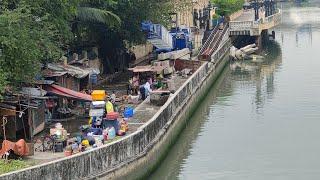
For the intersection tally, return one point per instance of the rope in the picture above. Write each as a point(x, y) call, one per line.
point(4, 122)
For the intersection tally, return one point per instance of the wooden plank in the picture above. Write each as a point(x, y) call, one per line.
point(7, 112)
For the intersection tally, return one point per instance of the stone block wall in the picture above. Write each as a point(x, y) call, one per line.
point(141, 50)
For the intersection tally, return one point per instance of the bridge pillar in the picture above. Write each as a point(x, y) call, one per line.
point(260, 40)
point(273, 35)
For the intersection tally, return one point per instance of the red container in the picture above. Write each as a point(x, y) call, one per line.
point(112, 116)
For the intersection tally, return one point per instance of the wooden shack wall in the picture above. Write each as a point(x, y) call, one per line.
point(187, 64)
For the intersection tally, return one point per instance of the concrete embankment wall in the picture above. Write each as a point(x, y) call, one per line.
point(189, 97)
point(137, 154)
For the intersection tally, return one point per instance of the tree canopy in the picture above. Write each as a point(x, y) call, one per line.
point(38, 31)
point(227, 7)
point(29, 35)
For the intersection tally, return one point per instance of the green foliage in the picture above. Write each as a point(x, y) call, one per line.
point(32, 32)
point(24, 42)
point(133, 13)
point(227, 7)
point(215, 16)
point(12, 165)
point(95, 15)
point(58, 14)
point(37, 31)
point(3, 81)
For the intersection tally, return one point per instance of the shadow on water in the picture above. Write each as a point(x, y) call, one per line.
point(259, 72)
point(244, 71)
point(170, 167)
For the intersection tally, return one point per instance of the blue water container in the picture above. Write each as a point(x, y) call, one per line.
point(94, 78)
point(128, 112)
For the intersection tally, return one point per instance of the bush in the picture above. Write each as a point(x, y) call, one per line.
point(215, 16)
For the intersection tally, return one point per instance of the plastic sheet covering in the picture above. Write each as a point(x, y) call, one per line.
point(19, 148)
point(65, 92)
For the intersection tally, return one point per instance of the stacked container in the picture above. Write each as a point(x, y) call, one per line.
point(97, 109)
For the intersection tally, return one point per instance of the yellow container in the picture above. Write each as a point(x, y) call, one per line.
point(98, 95)
point(85, 143)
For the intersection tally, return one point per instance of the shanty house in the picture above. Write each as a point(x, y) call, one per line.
point(68, 76)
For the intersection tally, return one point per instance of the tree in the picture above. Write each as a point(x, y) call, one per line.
point(95, 15)
point(114, 40)
point(23, 43)
point(31, 32)
point(133, 13)
point(227, 7)
point(40, 31)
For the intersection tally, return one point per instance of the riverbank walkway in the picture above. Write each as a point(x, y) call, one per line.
point(145, 111)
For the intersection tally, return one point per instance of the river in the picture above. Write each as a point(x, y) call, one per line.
point(261, 120)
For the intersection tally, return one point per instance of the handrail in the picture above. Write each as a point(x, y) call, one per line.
point(217, 42)
point(204, 46)
point(212, 40)
point(214, 43)
point(225, 29)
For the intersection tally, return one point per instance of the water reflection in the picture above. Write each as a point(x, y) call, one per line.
point(259, 73)
point(242, 73)
point(262, 118)
point(181, 149)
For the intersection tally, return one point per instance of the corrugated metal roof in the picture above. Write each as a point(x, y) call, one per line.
point(33, 91)
point(146, 69)
point(60, 70)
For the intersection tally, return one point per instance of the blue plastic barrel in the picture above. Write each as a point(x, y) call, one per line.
point(94, 78)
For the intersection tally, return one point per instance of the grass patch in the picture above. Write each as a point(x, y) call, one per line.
point(12, 165)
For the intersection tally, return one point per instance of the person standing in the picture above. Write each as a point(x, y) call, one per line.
point(147, 87)
point(109, 106)
point(135, 84)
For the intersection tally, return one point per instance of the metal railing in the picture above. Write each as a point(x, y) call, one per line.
point(207, 42)
point(214, 43)
point(260, 24)
point(218, 40)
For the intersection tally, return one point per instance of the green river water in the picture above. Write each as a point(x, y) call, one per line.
point(261, 120)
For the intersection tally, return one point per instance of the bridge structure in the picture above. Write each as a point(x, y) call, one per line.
point(254, 20)
point(259, 15)
point(247, 24)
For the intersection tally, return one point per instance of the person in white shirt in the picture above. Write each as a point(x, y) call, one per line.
point(145, 89)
